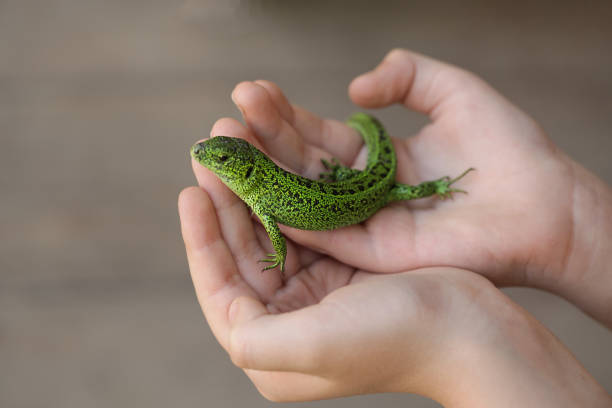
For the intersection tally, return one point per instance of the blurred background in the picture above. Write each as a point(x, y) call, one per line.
point(99, 103)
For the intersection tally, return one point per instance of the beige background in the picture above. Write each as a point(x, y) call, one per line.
point(99, 102)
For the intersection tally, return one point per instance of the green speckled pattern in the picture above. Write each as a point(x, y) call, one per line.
point(278, 196)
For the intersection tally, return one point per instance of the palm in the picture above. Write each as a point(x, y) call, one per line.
point(310, 277)
point(505, 219)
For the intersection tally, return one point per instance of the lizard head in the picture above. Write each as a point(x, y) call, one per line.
point(232, 159)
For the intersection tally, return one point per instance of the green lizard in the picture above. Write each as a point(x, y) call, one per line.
point(345, 196)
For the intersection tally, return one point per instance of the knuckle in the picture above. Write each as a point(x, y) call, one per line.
point(459, 75)
point(464, 79)
point(397, 53)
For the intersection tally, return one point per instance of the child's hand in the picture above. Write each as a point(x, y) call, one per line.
point(440, 332)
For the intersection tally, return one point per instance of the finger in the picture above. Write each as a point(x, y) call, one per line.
point(282, 140)
point(215, 275)
point(277, 136)
point(235, 219)
point(351, 245)
point(279, 99)
point(333, 136)
point(420, 83)
point(360, 245)
point(294, 341)
point(330, 135)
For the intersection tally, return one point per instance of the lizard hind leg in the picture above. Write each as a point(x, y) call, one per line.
point(336, 171)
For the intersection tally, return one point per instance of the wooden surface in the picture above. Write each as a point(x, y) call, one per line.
point(99, 102)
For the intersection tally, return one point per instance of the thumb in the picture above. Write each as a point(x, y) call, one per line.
point(293, 341)
point(244, 309)
point(420, 83)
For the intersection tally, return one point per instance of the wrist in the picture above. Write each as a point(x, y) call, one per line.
point(586, 278)
point(514, 361)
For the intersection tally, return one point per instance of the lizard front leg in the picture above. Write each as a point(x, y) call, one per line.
point(278, 242)
point(336, 171)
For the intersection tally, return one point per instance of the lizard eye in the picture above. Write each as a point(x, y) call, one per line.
point(223, 158)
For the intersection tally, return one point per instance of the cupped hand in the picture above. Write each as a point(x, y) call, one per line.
point(514, 226)
point(327, 329)
point(332, 330)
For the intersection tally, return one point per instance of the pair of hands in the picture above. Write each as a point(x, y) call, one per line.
point(368, 308)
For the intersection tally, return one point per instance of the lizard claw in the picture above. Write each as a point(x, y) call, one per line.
point(275, 261)
point(443, 185)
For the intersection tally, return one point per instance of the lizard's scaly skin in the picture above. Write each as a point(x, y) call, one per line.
point(349, 197)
